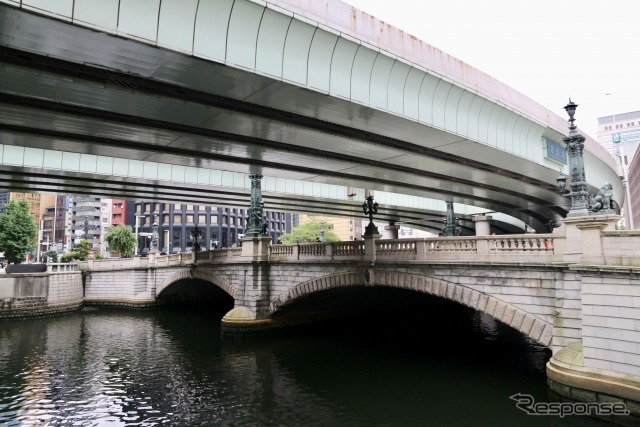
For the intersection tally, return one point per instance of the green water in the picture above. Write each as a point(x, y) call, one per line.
point(439, 366)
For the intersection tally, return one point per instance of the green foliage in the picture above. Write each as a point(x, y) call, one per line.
point(51, 254)
point(309, 232)
point(121, 239)
point(99, 256)
point(68, 257)
point(17, 231)
point(82, 249)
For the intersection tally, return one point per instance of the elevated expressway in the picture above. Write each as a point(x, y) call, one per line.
point(182, 99)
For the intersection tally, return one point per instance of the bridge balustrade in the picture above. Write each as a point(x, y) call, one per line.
point(512, 248)
point(62, 267)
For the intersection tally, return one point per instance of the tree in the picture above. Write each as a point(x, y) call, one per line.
point(52, 255)
point(80, 252)
point(17, 231)
point(309, 232)
point(121, 239)
point(82, 249)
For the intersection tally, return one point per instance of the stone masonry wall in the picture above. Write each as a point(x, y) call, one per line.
point(611, 318)
point(118, 285)
point(568, 315)
point(65, 288)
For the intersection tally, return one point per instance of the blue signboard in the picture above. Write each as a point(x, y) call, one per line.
point(556, 152)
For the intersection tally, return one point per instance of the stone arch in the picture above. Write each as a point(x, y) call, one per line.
point(204, 275)
point(532, 326)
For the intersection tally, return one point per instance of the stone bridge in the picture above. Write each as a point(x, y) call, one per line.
point(576, 291)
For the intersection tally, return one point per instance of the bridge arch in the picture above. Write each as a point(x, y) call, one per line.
point(532, 326)
point(204, 275)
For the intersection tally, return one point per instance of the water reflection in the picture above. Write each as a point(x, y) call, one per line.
point(452, 367)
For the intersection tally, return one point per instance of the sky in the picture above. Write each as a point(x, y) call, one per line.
point(549, 50)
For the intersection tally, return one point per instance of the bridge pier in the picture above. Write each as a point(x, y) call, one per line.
point(251, 313)
point(596, 345)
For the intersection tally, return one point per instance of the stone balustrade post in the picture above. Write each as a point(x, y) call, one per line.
point(328, 250)
point(421, 250)
point(482, 246)
point(370, 247)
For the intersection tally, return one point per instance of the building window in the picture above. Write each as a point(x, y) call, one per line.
point(214, 219)
point(177, 219)
point(177, 207)
point(138, 208)
point(202, 219)
point(176, 239)
point(233, 221)
point(147, 208)
point(189, 207)
point(189, 219)
point(165, 219)
point(117, 205)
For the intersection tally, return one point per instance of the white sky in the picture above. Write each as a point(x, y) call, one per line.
point(546, 49)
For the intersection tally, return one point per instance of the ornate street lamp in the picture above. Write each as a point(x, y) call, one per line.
point(451, 227)
point(154, 235)
point(196, 233)
point(370, 208)
point(255, 223)
point(578, 184)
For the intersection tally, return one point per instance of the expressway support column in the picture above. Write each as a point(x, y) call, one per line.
point(392, 230)
point(483, 225)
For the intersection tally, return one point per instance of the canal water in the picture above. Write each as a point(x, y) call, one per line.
point(435, 364)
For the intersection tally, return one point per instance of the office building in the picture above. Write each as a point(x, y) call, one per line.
point(220, 227)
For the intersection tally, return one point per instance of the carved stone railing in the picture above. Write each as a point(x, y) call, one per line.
point(348, 249)
point(281, 251)
point(516, 248)
point(313, 249)
point(451, 244)
point(528, 243)
point(62, 267)
point(398, 247)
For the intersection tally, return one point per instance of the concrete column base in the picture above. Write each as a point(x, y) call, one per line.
point(241, 322)
point(568, 378)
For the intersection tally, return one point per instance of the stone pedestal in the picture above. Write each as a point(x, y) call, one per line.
point(256, 248)
point(583, 241)
point(370, 246)
point(483, 225)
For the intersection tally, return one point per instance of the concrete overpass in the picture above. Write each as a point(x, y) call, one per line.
point(154, 98)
